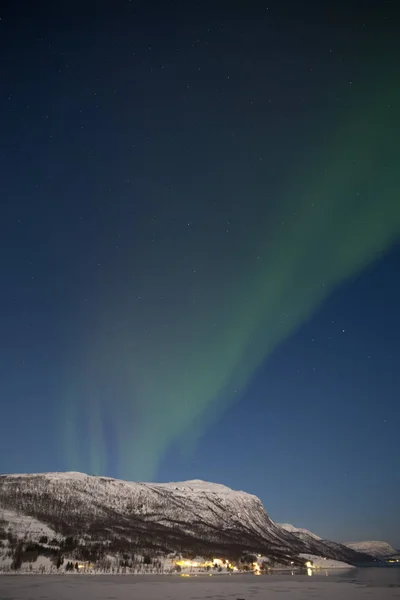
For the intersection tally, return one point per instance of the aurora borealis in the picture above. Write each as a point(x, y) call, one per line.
point(181, 352)
point(191, 197)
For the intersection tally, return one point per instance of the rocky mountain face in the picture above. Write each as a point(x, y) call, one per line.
point(93, 515)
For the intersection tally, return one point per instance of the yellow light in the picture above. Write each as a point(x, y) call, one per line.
point(309, 572)
point(308, 564)
point(187, 563)
point(217, 561)
point(256, 568)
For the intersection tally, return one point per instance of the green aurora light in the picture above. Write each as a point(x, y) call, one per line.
point(166, 367)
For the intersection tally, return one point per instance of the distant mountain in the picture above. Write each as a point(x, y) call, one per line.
point(377, 549)
point(78, 514)
point(312, 540)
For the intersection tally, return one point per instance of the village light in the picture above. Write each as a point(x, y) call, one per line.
point(256, 568)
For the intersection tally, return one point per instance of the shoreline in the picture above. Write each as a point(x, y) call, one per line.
point(184, 575)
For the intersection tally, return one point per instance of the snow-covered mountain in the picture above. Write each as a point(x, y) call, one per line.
point(309, 539)
point(301, 533)
point(377, 549)
point(192, 516)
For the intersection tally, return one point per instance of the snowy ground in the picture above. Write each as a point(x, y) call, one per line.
point(325, 563)
point(177, 588)
point(22, 525)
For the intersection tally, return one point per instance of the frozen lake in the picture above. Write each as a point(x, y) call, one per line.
point(355, 584)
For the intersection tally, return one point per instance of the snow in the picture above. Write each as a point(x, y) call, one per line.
point(198, 485)
point(325, 563)
point(56, 475)
point(293, 529)
point(173, 501)
point(22, 525)
point(374, 548)
point(205, 511)
point(81, 587)
point(195, 485)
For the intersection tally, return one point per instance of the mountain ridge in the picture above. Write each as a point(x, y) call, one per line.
point(299, 531)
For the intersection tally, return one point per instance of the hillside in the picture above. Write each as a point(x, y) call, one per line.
point(377, 549)
point(301, 533)
point(89, 517)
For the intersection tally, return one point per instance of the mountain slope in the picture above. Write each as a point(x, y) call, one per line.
point(191, 516)
point(376, 549)
point(301, 533)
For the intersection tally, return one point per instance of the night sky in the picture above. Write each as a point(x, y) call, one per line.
point(199, 250)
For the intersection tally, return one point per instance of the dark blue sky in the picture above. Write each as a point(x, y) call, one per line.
point(316, 434)
point(150, 156)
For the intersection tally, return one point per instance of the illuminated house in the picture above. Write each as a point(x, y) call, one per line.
point(200, 563)
point(84, 566)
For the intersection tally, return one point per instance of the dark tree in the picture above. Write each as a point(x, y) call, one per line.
point(17, 558)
